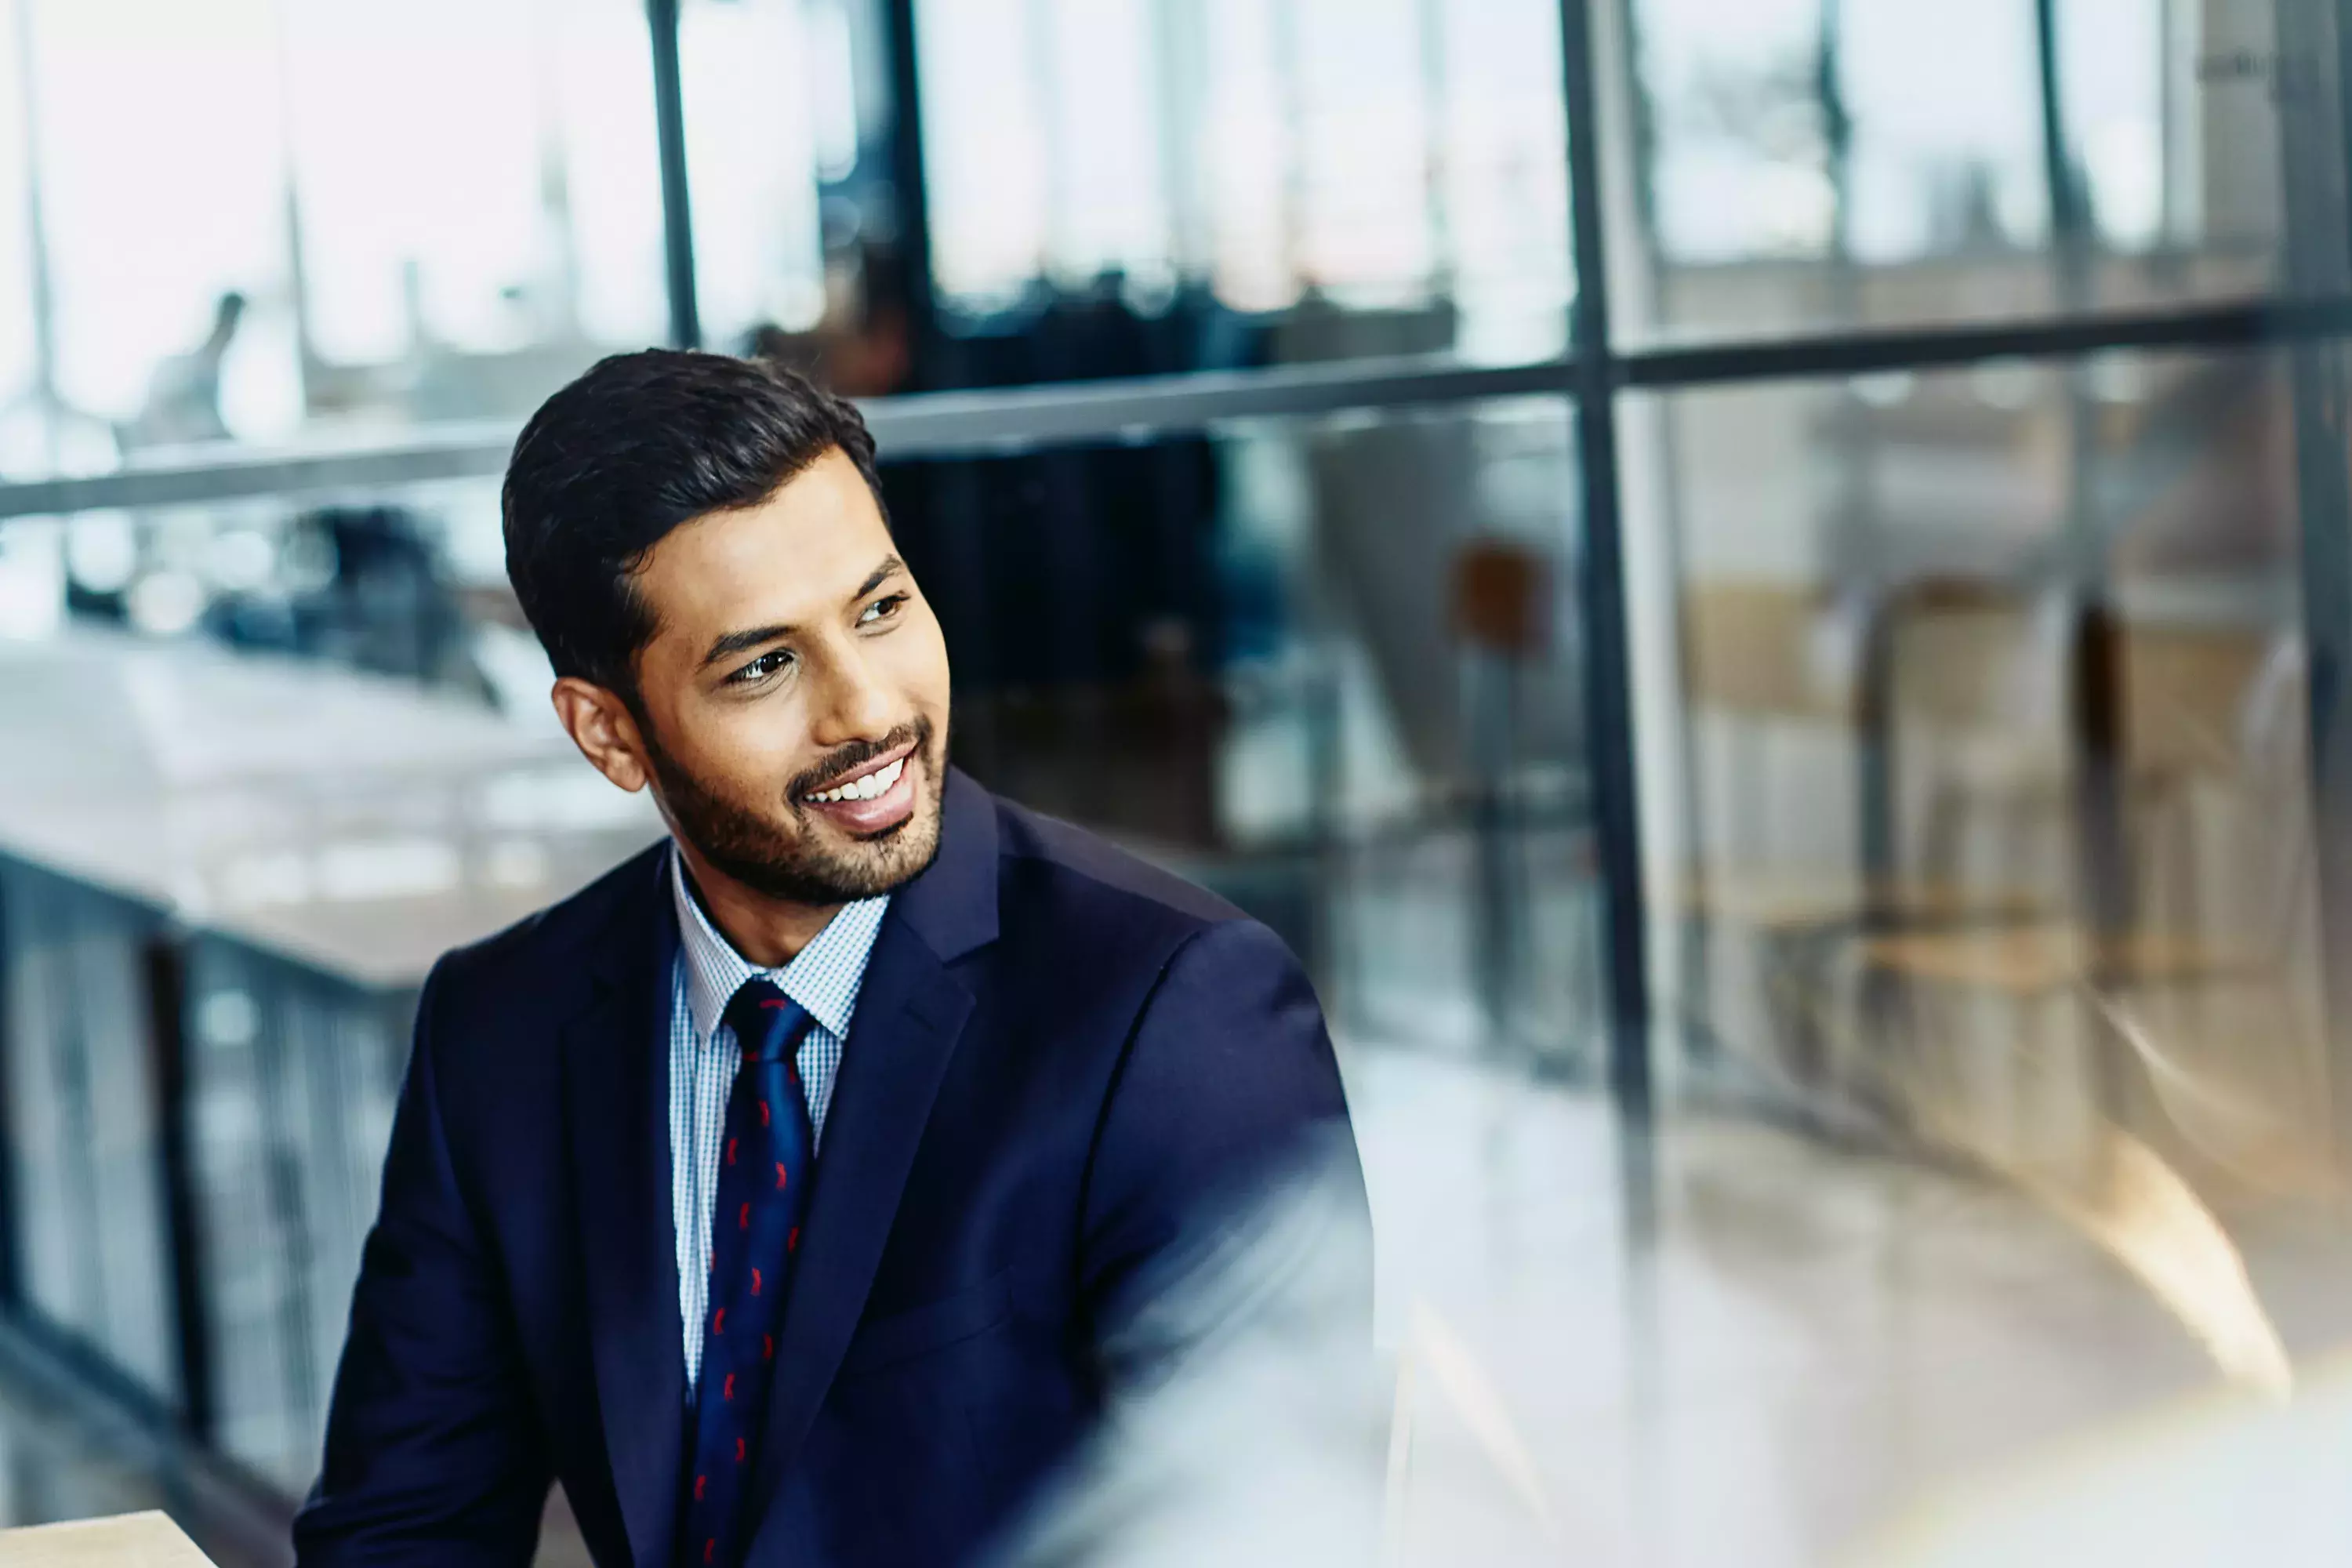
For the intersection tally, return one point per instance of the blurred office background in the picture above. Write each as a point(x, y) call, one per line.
point(1762, 588)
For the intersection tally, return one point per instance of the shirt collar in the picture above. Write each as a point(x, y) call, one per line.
point(825, 977)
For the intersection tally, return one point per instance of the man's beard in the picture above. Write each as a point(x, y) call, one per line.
point(808, 870)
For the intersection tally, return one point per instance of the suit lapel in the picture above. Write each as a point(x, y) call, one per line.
point(911, 1011)
point(617, 1101)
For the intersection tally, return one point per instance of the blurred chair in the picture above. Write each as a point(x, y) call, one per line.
point(1448, 588)
point(2190, 938)
point(1863, 841)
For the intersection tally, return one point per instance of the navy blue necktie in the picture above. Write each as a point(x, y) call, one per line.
point(755, 1227)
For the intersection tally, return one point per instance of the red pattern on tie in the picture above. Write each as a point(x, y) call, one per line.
point(768, 1111)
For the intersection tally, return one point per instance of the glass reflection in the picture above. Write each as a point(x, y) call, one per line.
point(1856, 162)
point(1326, 667)
point(1998, 836)
point(320, 272)
point(1249, 180)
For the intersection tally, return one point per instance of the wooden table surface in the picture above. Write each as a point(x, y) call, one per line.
point(134, 1540)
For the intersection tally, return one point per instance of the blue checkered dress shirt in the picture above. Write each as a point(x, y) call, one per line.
point(824, 978)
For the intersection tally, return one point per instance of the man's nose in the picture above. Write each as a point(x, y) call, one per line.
point(857, 704)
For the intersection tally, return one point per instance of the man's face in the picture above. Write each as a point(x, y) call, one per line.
point(794, 693)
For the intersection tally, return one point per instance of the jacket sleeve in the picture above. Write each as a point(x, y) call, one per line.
point(1224, 1200)
point(433, 1455)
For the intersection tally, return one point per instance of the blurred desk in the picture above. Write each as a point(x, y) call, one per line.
point(345, 821)
point(134, 1541)
point(223, 878)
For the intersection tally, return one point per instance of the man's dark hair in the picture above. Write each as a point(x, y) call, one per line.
point(639, 444)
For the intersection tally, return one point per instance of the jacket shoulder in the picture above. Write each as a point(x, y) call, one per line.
point(556, 940)
point(1084, 875)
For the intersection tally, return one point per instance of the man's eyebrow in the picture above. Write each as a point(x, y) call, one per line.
point(744, 641)
point(733, 642)
point(890, 566)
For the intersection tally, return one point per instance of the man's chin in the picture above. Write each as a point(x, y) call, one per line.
point(811, 859)
point(897, 855)
point(869, 865)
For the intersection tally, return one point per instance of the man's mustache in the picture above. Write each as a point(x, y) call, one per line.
point(848, 759)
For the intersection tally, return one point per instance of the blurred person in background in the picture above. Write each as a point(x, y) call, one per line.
point(808, 1189)
point(864, 345)
point(184, 400)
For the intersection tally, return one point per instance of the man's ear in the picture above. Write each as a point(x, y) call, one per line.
point(601, 726)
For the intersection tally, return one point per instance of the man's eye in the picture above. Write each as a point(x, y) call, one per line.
point(882, 609)
point(760, 669)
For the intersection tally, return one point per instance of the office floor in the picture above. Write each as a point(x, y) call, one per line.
point(1742, 1344)
point(1797, 1347)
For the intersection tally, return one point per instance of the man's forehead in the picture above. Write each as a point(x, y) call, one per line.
point(816, 539)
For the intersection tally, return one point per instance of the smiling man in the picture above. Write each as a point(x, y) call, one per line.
point(806, 1189)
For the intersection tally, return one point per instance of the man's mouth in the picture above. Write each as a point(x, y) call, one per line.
point(875, 781)
point(875, 799)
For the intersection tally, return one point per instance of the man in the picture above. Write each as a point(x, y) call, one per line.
point(794, 1193)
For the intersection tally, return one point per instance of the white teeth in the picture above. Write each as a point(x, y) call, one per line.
point(866, 788)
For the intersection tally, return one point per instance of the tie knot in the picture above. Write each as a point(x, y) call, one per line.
point(768, 1024)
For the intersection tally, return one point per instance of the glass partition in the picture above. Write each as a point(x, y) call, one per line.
point(408, 582)
point(1126, 186)
point(520, 220)
point(1994, 698)
point(337, 264)
point(227, 862)
point(20, 327)
point(90, 1248)
point(1827, 163)
point(293, 1074)
point(1327, 667)
point(1988, 854)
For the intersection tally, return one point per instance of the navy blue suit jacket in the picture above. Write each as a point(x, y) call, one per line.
point(1057, 1054)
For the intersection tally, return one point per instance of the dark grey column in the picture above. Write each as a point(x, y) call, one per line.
point(1608, 652)
point(2308, 64)
point(678, 216)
